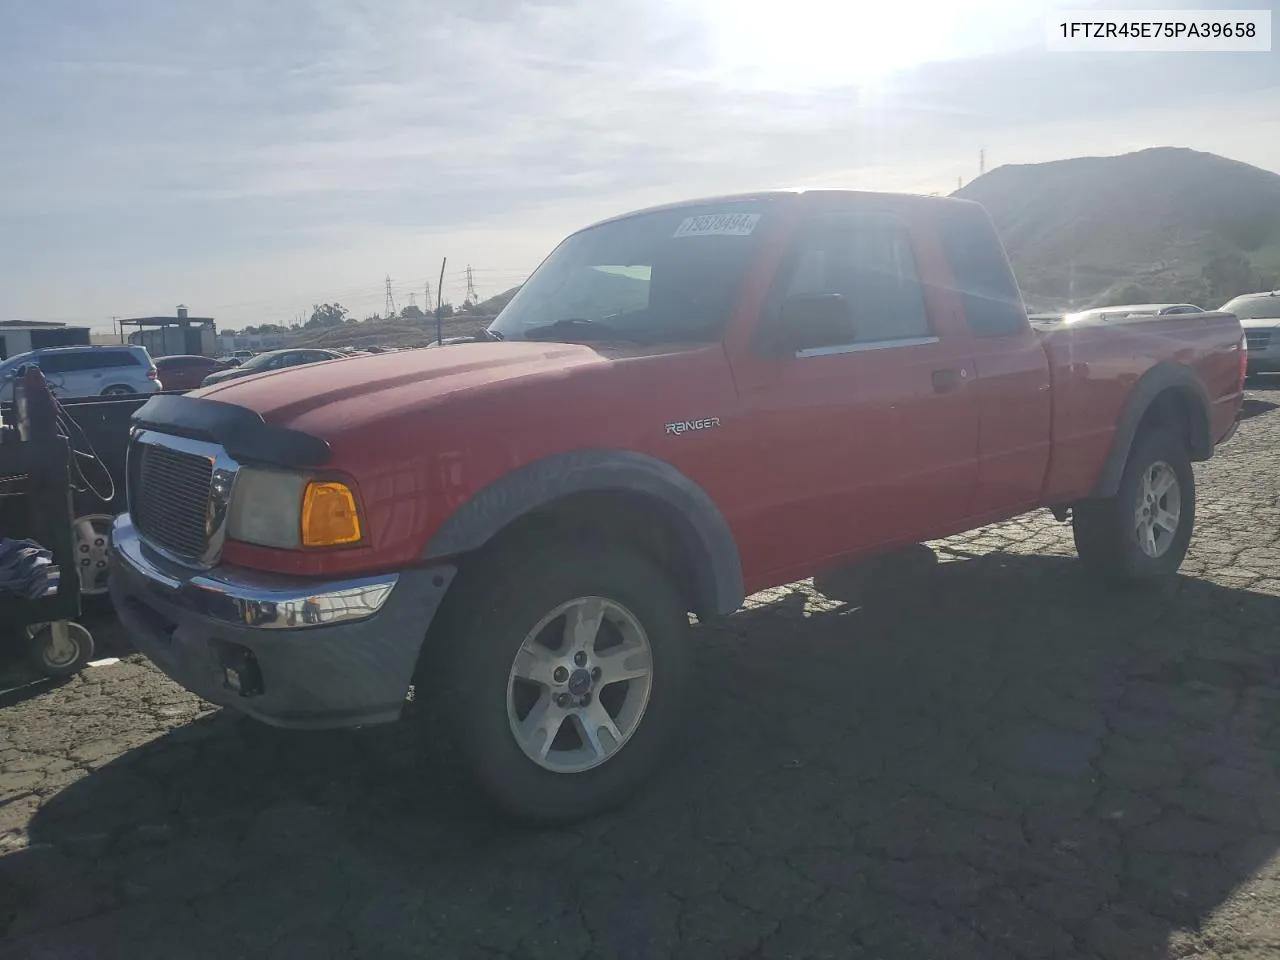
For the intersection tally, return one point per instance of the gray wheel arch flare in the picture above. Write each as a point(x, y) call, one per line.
point(704, 532)
point(1163, 378)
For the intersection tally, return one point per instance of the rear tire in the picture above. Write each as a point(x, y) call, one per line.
point(118, 390)
point(513, 622)
point(1140, 536)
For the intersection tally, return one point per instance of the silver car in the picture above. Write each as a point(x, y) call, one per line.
point(106, 371)
point(272, 360)
point(1259, 314)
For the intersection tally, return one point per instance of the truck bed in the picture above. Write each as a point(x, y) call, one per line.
point(1094, 365)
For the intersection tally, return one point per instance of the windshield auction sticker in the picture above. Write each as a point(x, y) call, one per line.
point(718, 225)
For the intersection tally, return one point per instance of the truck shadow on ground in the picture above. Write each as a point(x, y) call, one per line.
point(986, 758)
point(1252, 407)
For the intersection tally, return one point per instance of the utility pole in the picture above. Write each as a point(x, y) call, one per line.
point(439, 292)
point(390, 306)
point(471, 296)
point(116, 326)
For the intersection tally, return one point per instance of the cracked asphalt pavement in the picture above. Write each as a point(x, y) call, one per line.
point(979, 757)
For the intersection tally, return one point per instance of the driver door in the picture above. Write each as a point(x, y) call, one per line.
point(866, 443)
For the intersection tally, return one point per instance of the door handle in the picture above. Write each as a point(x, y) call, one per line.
point(944, 381)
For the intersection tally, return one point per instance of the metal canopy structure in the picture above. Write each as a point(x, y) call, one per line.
point(167, 336)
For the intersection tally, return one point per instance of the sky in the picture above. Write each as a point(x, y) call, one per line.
point(251, 159)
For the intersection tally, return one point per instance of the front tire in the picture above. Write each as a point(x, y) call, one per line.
point(1140, 536)
point(118, 390)
point(567, 676)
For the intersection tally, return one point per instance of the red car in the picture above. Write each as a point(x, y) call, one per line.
point(679, 408)
point(184, 372)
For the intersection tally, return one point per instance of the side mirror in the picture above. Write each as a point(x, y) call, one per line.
point(808, 321)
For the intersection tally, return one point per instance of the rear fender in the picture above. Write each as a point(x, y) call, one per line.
point(1163, 379)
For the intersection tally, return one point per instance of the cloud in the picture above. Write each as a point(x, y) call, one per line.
point(250, 153)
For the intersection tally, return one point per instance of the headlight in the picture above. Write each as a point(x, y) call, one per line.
point(276, 508)
point(266, 508)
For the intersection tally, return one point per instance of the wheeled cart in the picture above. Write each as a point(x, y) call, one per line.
point(34, 468)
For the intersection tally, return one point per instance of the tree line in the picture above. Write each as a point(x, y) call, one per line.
point(326, 316)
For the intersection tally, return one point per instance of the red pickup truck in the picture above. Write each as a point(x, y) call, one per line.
point(680, 407)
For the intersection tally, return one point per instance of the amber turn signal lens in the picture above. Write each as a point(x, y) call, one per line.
point(329, 515)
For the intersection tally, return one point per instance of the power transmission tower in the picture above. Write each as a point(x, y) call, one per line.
point(471, 296)
point(413, 299)
point(982, 162)
point(426, 295)
point(390, 307)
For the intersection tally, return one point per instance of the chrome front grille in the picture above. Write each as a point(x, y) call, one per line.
point(1257, 340)
point(170, 503)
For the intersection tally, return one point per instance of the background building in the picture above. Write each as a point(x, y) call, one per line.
point(19, 336)
point(170, 336)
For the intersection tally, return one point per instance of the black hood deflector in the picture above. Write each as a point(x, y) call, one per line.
point(241, 432)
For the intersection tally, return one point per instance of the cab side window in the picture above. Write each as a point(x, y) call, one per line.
point(114, 358)
point(869, 261)
point(54, 363)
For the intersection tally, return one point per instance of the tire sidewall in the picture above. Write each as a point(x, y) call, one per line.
point(38, 644)
point(1148, 450)
point(485, 650)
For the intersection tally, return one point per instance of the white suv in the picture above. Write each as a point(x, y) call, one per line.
point(107, 371)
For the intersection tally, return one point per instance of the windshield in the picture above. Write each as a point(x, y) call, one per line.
point(1255, 308)
point(672, 275)
point(259, 362)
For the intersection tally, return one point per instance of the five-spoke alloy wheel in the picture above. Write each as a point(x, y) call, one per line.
point(579, 685)
point(564, 676)
point(1159, 507)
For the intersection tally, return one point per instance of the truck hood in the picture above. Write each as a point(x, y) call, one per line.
point(335, 396)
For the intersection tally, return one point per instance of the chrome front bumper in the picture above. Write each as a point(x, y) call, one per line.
point(289, 651)
point(251, 599)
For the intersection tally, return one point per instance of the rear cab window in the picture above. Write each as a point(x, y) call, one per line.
point(988, 292)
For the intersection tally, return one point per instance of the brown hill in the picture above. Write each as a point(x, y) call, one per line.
point(1165, 224)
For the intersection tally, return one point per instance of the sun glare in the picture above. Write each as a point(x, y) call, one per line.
point(814, 44)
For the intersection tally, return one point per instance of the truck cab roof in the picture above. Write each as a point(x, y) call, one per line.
point(791, 195)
